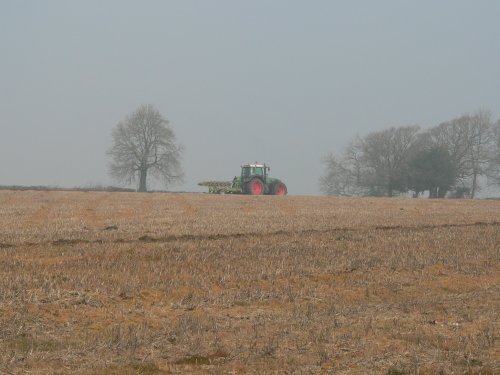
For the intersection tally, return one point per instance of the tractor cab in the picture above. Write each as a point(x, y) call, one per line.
point(249, 171)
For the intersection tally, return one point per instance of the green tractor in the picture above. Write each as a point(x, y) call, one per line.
point(254, 180)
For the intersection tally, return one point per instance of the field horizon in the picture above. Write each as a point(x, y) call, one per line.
point(166, 283)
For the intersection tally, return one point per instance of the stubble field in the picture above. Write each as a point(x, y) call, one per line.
point(129, 283)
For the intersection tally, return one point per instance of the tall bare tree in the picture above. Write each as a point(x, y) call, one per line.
point(494, 165)
point(480, 146)
point(468, 140)
point(143, 145)
point(373, 165)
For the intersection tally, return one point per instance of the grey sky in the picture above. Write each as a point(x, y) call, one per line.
point(281, 82)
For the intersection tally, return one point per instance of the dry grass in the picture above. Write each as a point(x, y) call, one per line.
point(129, 283)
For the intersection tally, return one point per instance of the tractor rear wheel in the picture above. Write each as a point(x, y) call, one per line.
point(279, 189)
point(255, 187)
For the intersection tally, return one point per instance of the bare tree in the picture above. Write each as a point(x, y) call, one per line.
point(468, 139)
point(373, 165)
point(493, 171)
point(480, 146)
point(341, 178)
point(144, 144)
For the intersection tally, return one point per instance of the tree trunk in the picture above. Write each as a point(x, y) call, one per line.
point(142, 179)
point(390, 192)
point(474, 185)
point(442, 192)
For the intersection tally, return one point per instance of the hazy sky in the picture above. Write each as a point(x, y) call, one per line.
point(279, 81)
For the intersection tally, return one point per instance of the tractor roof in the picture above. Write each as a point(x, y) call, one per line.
point(253, 165)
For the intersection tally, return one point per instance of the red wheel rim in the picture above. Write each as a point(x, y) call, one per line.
point(257, 188)
point(280, 189)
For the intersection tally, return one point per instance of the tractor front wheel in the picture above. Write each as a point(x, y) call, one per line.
point(255, 187)
point(279, 189)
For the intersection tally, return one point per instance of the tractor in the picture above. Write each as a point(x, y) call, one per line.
point(254, 180)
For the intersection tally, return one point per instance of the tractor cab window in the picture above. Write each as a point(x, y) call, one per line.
point(258, 171)
point(252, 171)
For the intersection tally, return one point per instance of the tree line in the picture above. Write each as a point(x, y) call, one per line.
point(451, 159)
